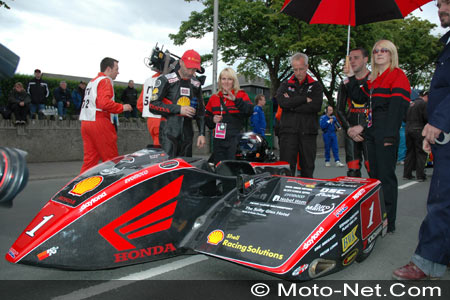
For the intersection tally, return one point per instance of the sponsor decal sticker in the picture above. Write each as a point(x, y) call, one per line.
point(66, 200)
point(170, 164)
point(350, 257)
point(341, 211)
point(184, 101)
point(92, 201)
point(13, 253)
point(136, 176)
point(86, 185)
point(185, 91)
point(300, 270)
point(155, 91)
point(43, 255)
point(215, 237)
point(313, 238)
point(232, 243)
point(349, 239)
point(319, 209)
point(142, 253)
point(374, 234)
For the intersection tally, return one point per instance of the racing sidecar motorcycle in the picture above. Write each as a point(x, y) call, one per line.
point(143, 207)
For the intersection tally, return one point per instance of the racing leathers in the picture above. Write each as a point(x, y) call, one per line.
point(350, 114)
point(170, 93)
point(299, 122)
point(98, 133)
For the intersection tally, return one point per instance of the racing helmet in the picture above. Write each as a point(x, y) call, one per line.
point(253, 147)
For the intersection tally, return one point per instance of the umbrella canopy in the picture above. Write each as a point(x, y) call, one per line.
point(349, 12)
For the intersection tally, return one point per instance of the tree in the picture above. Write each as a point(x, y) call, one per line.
point(3, 3)
point(262, 39)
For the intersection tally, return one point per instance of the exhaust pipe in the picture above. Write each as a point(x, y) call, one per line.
point(320, 266)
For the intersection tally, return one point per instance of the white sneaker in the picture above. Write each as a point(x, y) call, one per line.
point(60, 118)
point(339, 164)
point(327, 164)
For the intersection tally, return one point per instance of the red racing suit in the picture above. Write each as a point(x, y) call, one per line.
point(100, 136)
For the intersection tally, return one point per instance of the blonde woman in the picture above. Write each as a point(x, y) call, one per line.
point(225, 113)
point(387, 93)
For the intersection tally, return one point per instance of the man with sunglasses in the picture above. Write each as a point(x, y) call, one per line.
point(432, 254)
point(353, 116)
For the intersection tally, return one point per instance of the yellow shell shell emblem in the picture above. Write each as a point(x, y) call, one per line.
point(215, 237)
point(155, 91)
point(86, 185)
point(184, 101)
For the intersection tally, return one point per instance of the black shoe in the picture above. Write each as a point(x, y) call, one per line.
point(421, 179)
point(407, 177)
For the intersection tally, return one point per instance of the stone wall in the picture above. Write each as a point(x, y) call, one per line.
point(51, 141)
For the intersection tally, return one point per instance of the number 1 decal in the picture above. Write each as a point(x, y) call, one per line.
point(371, 215)
point(46, 219)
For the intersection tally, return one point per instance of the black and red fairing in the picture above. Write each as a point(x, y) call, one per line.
point(133, 209)
point(295, 228)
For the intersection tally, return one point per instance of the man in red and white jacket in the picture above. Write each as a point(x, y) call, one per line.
point(97, 115)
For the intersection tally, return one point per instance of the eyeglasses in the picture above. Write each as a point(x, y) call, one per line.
point(382, 50)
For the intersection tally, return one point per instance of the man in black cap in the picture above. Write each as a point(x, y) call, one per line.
point(38, 91)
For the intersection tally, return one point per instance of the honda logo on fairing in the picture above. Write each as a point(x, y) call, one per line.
point(319, 209)
point(152, 215)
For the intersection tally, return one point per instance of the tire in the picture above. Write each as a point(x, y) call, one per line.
point(366, 252)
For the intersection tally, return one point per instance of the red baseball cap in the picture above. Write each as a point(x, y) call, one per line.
point(191, 59)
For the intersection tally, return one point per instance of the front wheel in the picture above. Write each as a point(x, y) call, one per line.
point(366, 252)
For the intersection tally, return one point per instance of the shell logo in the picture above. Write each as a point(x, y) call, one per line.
point(184, 101)
point(215, 237)
point(155, 91)
point(86, 185)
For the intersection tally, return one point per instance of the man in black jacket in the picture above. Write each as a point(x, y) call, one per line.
point(300, 98)
point(38, 91)
point(416, 119)
point(177, 97)
point(130, 96)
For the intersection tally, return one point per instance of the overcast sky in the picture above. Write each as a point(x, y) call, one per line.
point(71, 37)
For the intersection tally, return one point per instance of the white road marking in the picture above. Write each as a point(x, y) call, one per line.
point(114, 284)
point(404, 186)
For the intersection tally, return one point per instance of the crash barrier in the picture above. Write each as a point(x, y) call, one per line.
point(13, 174)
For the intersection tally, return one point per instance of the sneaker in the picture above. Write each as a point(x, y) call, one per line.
point(339, 164)
point(327, 164)
point(60, 118)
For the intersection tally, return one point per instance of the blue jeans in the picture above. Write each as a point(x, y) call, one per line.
point(61, 108)
point(34, 108)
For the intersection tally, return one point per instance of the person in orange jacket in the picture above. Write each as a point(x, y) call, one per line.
point(97, 116)
point(153, 121)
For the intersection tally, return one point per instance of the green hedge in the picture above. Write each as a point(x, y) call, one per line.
point(6, 86)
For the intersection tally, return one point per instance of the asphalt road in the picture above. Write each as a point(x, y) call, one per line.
point(390, 252)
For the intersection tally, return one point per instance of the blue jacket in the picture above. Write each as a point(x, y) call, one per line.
point(328, 128)
point(438, 106)
point(258, 120)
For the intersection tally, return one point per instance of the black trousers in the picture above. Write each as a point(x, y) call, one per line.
point(225, 149)
point(355, 154)
point(20, 112)
point(177, 141)
point(383, 161)
point(302, 145)
point(415, 156)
